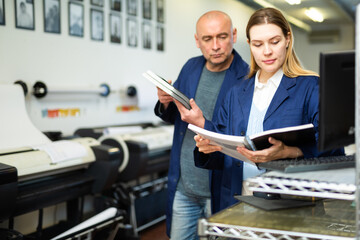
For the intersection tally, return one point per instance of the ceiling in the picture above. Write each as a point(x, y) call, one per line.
point(335, 12)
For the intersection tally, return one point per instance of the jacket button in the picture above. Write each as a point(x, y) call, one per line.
point(238, 164)
point(181, 133)
point(242, 133)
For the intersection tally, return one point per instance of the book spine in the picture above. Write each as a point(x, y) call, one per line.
point(249, 144)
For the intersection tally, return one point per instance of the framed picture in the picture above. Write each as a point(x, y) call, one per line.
point(160, 38)
point(132, 7)
point(160, 11)
point(146, 34)
point(132, 30)
point(97, 25)
point(99, 3)
point(2, 12)
point(115, 28)
point(146, 7)
point(76, 19)
point(24, 14)
point(115, 5)
point(52, 16)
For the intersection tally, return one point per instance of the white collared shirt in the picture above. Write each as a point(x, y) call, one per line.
point(264, 93)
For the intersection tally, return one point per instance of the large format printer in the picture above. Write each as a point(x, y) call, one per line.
point(36, 172)
point(146, 149)
point(30, 180)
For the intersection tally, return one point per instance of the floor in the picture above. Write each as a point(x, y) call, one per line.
point(156, 232)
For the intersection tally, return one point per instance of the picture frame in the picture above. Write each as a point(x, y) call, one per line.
point(115, 5)
point(160, 38)
point(76, 19)
point(132, 32)
point(2, 12)
point(99, 3)
point(97, 24)
point(52, 23)
point(160, 15)
point(146, 35)
point(115, 28)
point(146, 7)
point(132, 7)
point(24, 14)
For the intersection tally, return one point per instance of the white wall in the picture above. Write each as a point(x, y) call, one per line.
point(63, 60)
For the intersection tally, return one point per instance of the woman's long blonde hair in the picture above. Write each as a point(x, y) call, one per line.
point(292, 66)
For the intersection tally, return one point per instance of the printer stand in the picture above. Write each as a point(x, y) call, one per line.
point(145, 203)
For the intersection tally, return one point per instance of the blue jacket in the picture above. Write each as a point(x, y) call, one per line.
point(294, 103)
point(187, 83)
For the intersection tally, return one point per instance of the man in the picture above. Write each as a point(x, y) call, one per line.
point(206, 79)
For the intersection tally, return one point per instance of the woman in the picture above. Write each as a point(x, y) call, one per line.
point(278, 93)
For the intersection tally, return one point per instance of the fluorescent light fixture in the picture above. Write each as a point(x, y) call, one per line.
point(291, 19)
point(293, 2)
point(314, 15)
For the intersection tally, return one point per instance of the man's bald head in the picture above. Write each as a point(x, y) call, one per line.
point(212, 15)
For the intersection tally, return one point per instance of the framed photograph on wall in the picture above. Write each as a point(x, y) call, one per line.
point(97, 24)
point(99, 3)
point(76, 19)
point(115, 28)
point(2, 12)
point(115, 5)
point(160, 11)
point(146, 34)
point(24, 14)
point(52, 16)
point(132, 32)
point(160, 38)
point(132, 7)
point(146, 7)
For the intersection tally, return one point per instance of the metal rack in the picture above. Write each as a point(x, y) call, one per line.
point(318, 184)
point(329, 219)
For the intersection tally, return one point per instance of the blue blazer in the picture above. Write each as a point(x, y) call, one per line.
point(187, 83)
point(294, 103)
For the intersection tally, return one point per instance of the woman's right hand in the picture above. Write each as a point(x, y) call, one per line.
point(204, 145)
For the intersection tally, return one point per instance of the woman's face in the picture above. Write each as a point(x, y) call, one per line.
point(268, 46)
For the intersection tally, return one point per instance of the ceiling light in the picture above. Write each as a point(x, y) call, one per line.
point(293, 2)
point(314, 15)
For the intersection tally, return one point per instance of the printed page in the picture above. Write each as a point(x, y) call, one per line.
point(227, 142)
point(63, 150)
point(16, 128)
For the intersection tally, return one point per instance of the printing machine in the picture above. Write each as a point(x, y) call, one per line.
point(30, 180)
point(146, 153)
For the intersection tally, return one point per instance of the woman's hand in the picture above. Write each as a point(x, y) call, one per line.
point(204, 145)
point(278, 150)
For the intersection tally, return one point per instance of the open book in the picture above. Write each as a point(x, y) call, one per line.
point(168, 88)
point(291, 136)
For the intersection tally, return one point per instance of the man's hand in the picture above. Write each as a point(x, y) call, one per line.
point(164, 98)
point(193, 116)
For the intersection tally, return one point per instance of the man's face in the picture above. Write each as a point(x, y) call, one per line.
point(215, 38)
